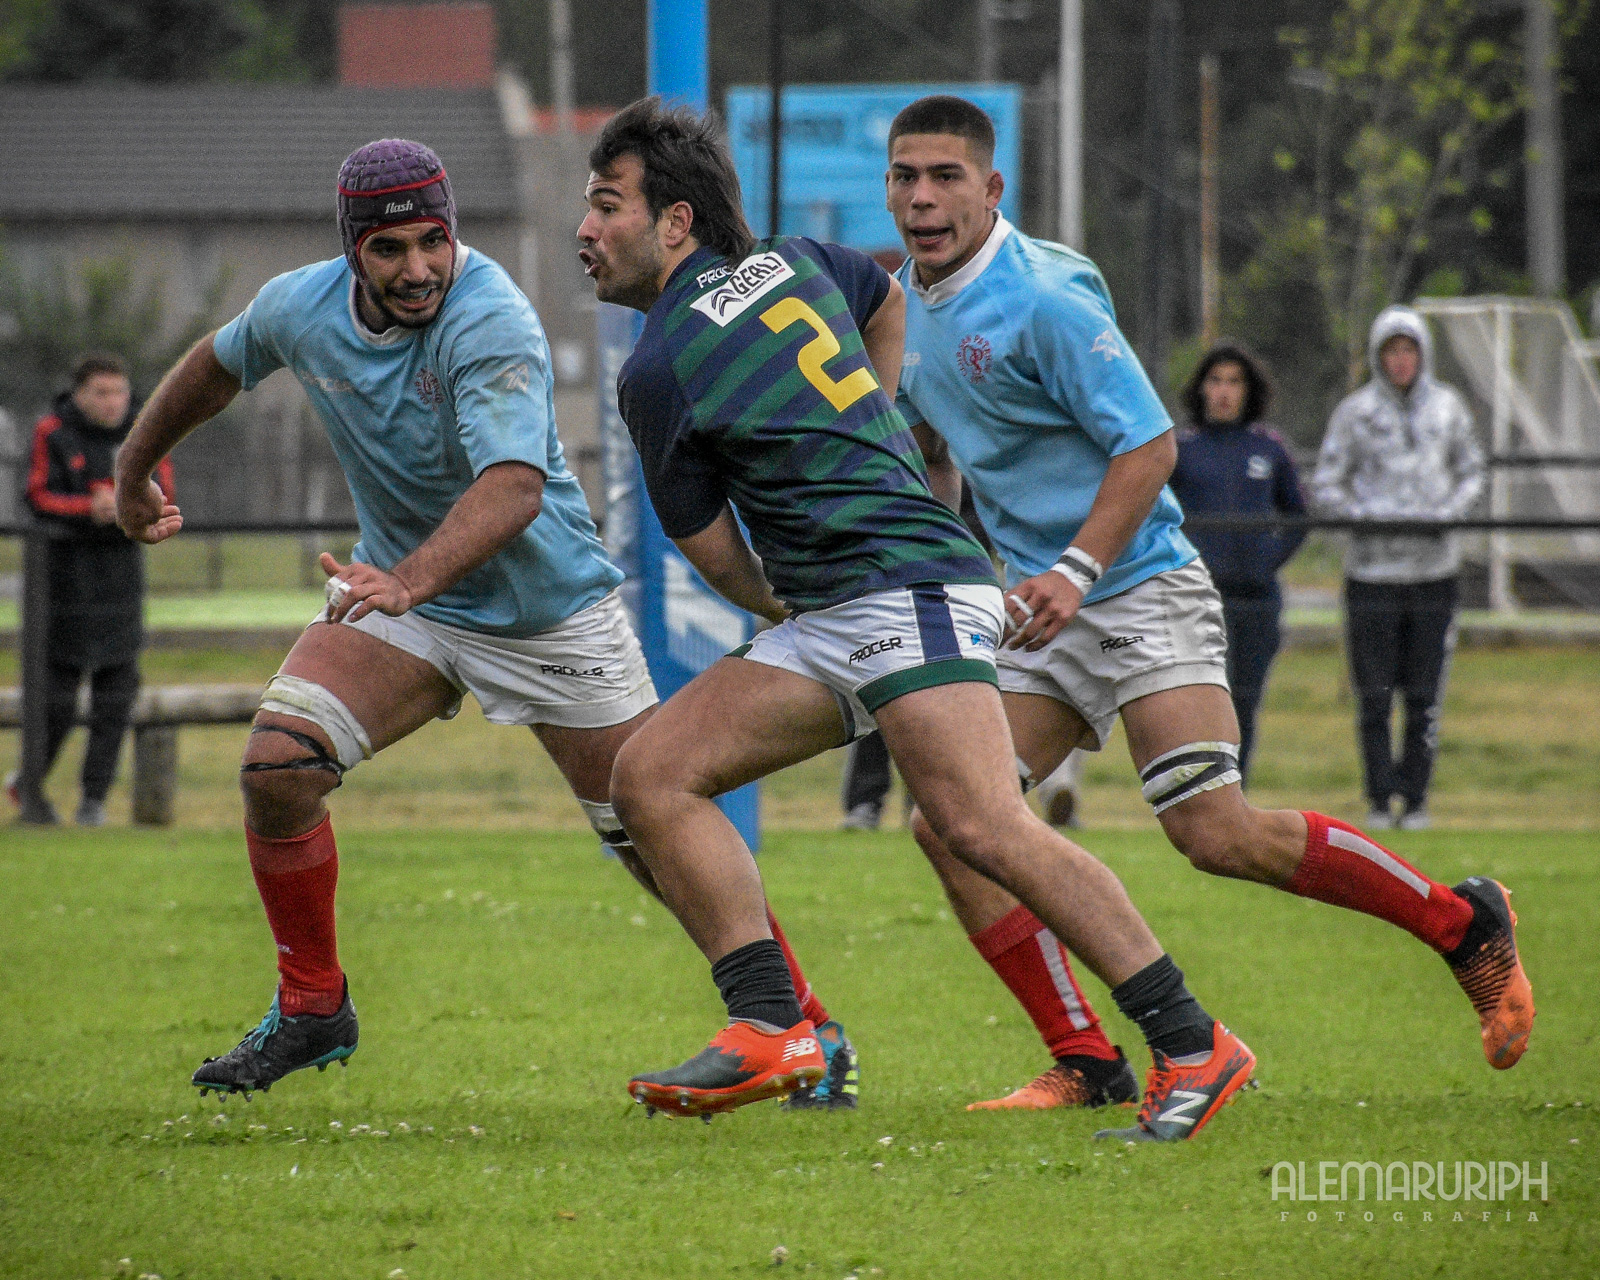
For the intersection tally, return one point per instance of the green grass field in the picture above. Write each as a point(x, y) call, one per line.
point(509, 982)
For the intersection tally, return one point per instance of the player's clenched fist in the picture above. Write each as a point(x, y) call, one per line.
point(355, 590)
point(1038, 608)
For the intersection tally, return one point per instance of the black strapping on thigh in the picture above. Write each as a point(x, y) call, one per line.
point(319, 759)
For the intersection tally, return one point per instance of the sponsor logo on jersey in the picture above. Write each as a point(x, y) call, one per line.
point(751, 279)
point(333, 386)
point(1258, 468)
point(799, 1048)
point(1107, 345)
point(980, 641)
point(1119, 642)
point(429, 389)
point(561, 669)
point(912, 358)
point(712, 276)
point(975, 357)
point(876, 647)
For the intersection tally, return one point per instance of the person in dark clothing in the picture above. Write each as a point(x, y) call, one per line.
point(1232, 463)
point(96, 580)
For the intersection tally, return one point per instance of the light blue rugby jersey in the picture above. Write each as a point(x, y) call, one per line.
point(1017, 361)
point(416, 415)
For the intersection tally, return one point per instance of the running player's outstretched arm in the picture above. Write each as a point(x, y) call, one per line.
point(502, 502)
point(194, 390)
point(943, 478)
point(884, 337)
point(726, 562)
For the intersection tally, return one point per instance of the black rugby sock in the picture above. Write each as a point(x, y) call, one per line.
point(1171, 1019)
point(755, 985)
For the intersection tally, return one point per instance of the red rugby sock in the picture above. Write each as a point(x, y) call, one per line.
point(296, 879)
point(1035, 967)
point(1344, 867)
point(809, 1004)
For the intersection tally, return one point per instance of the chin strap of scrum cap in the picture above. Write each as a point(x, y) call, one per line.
point(318, 759)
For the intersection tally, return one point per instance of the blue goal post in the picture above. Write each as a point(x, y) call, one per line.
point(683, 625)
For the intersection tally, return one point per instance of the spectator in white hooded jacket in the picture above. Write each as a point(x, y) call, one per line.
point(1400, 448)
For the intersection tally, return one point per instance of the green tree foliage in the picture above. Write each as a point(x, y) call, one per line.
point(49, 319)
point(1379, 161)
point(156, 40)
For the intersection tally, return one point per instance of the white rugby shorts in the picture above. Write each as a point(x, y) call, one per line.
point(1165, 633)
point(586, 672)
point(873, 649)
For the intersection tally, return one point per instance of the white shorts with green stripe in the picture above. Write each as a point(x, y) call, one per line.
point(871, 650)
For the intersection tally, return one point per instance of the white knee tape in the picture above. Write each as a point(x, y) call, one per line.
point(603, 818)
point(292, 696)
point(1181, 774)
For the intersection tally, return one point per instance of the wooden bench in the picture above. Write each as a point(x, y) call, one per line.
point(158, 713)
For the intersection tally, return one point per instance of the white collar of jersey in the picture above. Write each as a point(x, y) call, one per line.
point(954, 283)
point(395, 332)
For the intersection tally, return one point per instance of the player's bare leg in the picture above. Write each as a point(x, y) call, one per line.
point(390, 693)
point(1314, 856)
point(1088, 1069)
point(585, 758)
point(350, 683)
point(736, 722)
point(954, 750)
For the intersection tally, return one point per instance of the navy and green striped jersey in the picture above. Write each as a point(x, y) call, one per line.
point(750, 386)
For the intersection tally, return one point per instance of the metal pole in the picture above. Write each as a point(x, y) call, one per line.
point(1069, 79)
point(988, 41)
point(1210, 269)
point(35, 643)
point(561, 66)
point(1547, 249)
point(1502, 596)
point(775, 116)
point(1161, 109)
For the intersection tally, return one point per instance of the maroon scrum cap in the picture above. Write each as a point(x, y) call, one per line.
point(389, 182)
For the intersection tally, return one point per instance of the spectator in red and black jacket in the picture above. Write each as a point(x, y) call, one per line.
point(1230, 463)
point(96, 579)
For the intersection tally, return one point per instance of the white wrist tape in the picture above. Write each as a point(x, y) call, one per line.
point(1073, 574)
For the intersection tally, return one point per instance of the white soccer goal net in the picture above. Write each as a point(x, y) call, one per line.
point(1532, 377)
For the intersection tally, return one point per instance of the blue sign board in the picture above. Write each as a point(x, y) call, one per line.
point(835, 153)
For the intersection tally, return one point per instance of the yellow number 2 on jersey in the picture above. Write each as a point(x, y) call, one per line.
point(816, 353)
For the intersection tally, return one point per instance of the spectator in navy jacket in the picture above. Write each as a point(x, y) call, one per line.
point(1231, 463)
point(96, 581)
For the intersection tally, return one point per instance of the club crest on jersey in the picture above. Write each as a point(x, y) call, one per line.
point(975, 357)
point(751, 279)
point(429, 390)
point(1107, 345)
point(1258, 468)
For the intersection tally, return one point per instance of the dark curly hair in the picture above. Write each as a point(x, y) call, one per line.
point(685, 157)
point(1258, 383)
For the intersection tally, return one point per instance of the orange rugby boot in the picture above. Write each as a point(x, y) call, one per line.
point(1065, 1085)
point(742, 1064)
point(1179, 1100)
point(1490, 972)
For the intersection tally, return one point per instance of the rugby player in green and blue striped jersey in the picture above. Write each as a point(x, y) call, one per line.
point(763, 385)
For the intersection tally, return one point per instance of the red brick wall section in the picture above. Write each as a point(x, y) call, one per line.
point(417, 46)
